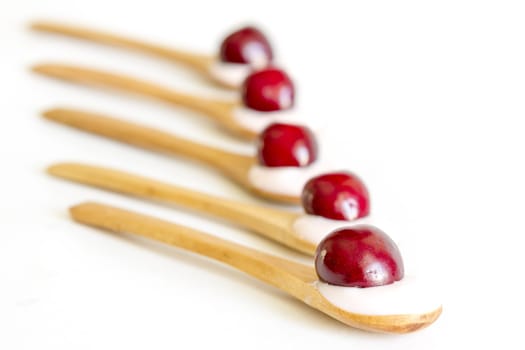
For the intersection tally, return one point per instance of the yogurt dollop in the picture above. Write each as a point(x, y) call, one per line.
point(314, 228)
point(411, 295)
point(257, 121)
point(230, 74)
point(288, 181)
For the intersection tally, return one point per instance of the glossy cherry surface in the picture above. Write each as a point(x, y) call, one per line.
point(246, 45)
point(267, 90)
point(338, 196)
point(286, 145)
point(359, 256)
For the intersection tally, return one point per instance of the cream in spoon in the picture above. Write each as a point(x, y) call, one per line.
point(411, 295)
point(361, 270)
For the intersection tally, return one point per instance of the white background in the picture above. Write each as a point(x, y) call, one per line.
point(424, 100)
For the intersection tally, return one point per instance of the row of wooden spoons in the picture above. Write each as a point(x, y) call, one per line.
point(284, 169)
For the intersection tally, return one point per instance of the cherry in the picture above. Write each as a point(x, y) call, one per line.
point(286, 145)
point(246, 45)
point(267, 90)
point(360, 256)
point(339, 196)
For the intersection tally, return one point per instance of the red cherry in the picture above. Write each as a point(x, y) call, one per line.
point(268, 90)
point(339, 196)
point(360, 256)
point(246, 45)
point(286, 145)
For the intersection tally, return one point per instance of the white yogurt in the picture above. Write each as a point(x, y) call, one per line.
point(230, 74)
point(314, 228)
point(287, 181)
point(408, 296)
point(257, 121)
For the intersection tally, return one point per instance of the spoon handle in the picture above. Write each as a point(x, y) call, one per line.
point(281, 273)
point(220, 111)
point(195, 61)
point(233, 165)
point(269, 222)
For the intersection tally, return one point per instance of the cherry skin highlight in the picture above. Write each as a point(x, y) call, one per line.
point(359, 256)
point(286, 145)
point(247, 45)
point(338, 196)
point(268, 90)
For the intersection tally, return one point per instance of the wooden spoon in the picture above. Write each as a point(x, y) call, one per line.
point(275, 224)
point(202, 64)
point(225, 113)
point(296, 279)
point(235, 166)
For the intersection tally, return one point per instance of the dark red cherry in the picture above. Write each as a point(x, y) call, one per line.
point(246, 45)
point(359, 256)
point(339, 196)
point(267, 90)
point(286, 145)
